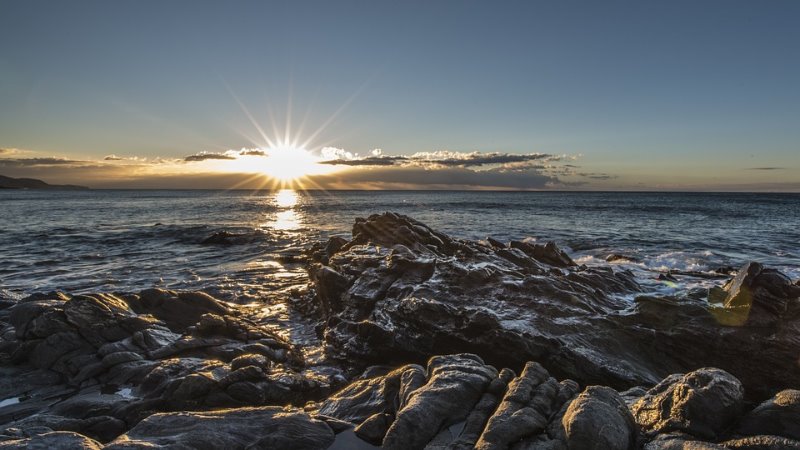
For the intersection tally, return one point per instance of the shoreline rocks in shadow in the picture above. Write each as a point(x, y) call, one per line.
point(484, 345)
point(403, 289)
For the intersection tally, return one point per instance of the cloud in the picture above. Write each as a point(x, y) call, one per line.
point(49, 161)
point(765, 168)
point(460, 159)
point(409, 177)
point(367, 161)
point(202, 156)
point(113, 158)
point(252, 152)
point(443, 158)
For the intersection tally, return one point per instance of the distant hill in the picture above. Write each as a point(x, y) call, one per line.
point(31, 183)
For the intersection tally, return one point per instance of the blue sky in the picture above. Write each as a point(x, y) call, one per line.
point(663, 95)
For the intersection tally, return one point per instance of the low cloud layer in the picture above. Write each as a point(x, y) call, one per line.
point(445, 158)
point(246, 169)
point(206, 156)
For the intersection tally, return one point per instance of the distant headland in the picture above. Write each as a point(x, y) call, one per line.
point(32, 183)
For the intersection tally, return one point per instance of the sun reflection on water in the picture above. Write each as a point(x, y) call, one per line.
point(287, 218)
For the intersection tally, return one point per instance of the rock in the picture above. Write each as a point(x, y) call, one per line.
point(680, 441)
point(599, 419)
point(58, 440)
point(455, 384)
point(268, 427)
point(548, 253)
point(762, 443)
point(250, 359)
point(401, 291)
point(779, 416)
point(524, 410)
point(365, 398)
point(483, 410)
point(616, 257)
point(758, 296)
point(702, 403)
point(374, 428)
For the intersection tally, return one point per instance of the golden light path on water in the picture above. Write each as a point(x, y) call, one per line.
point(287, 218)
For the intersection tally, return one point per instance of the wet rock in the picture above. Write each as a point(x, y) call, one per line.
point(179, 310)
point(374, 428)
point(268, 427)
point(762, 443)
point(599, 419)
point(401, 291)
point(58, 440)
point(483, 410)
point(455, 384)
point(616, 257)
point(702, 403)
point(525, 409)
point(758, 296)
point(548, 253)
point(779, 416)
point(680, 441)
point(367, 397)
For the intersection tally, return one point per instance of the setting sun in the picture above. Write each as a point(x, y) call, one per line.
point(284, 164)
point(289, 163)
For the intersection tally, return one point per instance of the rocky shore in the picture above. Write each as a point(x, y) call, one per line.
point(429, 342)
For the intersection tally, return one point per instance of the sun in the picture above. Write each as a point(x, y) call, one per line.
point(285, 164)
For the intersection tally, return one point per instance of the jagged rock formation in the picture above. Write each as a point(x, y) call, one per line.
point(401, 290)
point(98, 364)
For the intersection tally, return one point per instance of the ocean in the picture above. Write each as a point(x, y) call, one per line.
point(129, 240)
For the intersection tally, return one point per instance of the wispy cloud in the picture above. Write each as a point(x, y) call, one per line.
point(49, 161)
point(446, 159)
point(765, 168)
point(203, 156)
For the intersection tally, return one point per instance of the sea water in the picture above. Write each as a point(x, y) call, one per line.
point(129, 240)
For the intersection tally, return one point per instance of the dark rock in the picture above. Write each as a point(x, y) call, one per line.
point(779, 416)
point(250, 359)
point(762, 443)
point(680, 441)
point(758, 296)
point(548, 253)
point(702, 403)
point(268, 427)
point(367, 397)
point(180, 309)
point(524, 410)
point(599, 419)
point(374, 428)
point(455, 384)
point(483, 410)
point(615, 257)
point(398, 290)
point(58, 440)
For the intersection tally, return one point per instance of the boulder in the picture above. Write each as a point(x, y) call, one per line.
point(599, 419)
point(455, 384)
point(779, 416)
point(702, 403)
point(268, 427)
point(57, 440)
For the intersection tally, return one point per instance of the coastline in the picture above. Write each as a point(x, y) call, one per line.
point(399, 292)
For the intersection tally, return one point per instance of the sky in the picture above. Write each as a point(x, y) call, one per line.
point(585, 95)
